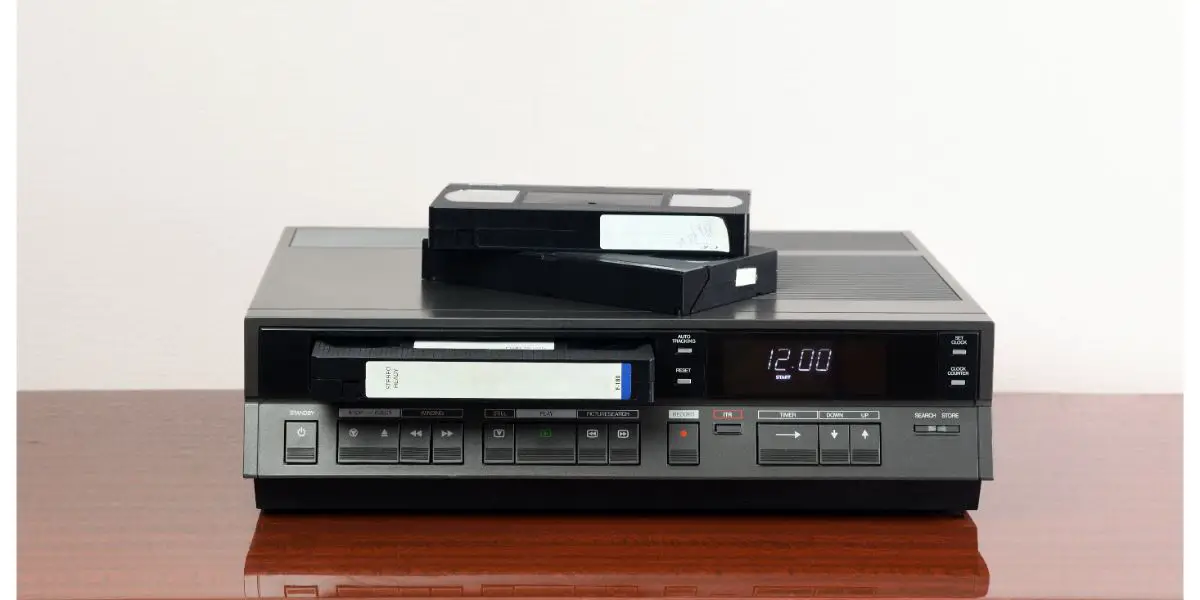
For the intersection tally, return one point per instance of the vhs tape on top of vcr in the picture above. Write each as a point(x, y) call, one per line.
point(705, 222)
point(677, 286)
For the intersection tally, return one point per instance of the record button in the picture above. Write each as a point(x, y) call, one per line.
point(683, 445)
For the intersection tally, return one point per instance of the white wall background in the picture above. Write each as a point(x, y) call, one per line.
point(1033, 144)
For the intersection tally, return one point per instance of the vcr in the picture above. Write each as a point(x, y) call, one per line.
point(863, 384)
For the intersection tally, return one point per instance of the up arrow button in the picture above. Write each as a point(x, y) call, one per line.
point(864, 445)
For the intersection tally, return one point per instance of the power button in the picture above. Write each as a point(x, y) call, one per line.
point(300, 443)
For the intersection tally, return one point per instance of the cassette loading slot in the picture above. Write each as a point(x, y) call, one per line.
point(483, 370)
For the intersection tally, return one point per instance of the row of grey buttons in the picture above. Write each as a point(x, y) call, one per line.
point(805, 444)
point(561, 444)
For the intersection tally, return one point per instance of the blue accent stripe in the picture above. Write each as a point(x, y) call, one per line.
point(626, 373)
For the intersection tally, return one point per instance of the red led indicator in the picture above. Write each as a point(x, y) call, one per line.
point(682, 433)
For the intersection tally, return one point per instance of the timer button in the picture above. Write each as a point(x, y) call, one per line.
point(781, 444)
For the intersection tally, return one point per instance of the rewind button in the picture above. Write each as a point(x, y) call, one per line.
point(414, 442)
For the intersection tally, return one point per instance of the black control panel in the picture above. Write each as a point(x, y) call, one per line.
point(726, 441)
point(813, 365)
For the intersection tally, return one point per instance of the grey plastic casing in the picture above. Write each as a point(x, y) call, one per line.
point(324, 279)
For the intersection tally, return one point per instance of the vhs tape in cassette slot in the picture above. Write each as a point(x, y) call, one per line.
point(541, 370)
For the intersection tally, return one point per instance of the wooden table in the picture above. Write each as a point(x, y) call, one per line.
point(139, 495)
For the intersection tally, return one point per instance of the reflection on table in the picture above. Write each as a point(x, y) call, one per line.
point(597, 555)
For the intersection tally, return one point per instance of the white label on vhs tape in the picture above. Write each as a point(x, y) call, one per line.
point(704, 201)
point(477, 345)
point(499, 380)
point(696, 233)
point(745, 276)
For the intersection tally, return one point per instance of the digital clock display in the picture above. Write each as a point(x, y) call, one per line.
point(825, 366)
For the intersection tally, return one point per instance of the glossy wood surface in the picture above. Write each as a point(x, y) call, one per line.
point(139, 495)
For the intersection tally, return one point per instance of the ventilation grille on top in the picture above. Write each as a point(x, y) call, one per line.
point(834, 241)
point(860, 278)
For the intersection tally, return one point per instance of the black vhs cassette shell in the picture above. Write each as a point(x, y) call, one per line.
point(701, 222)
point(653, 283)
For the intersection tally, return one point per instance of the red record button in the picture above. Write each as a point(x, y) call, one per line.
point(727, 414)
